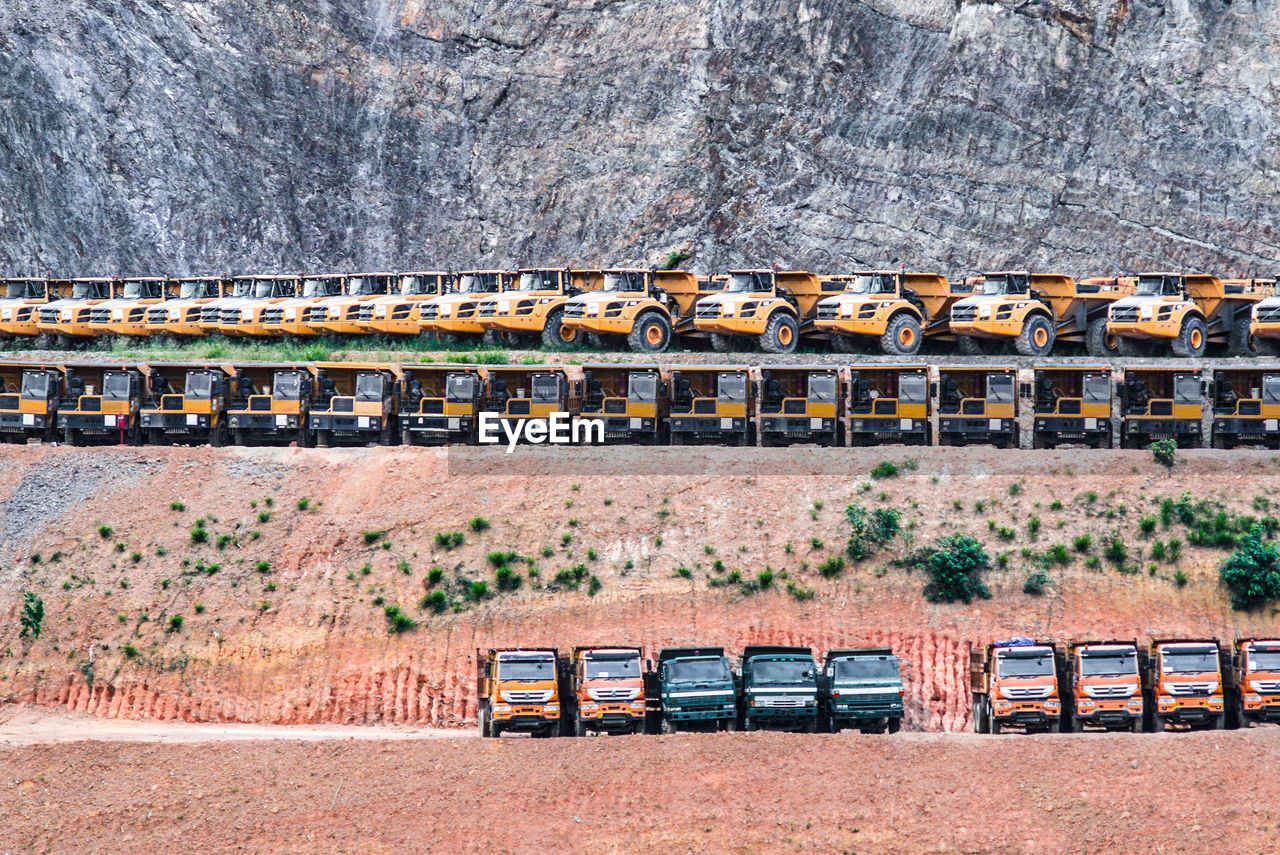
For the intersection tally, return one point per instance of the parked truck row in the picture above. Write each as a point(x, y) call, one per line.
point(647, 310)
point(615, 689)
point(333, 403)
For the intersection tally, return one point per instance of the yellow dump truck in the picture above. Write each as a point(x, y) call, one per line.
point(534, 310)
point(800, 404)
point(246, 317)
point(1264, 327)
point(977, 404)
point(20, 306)
point(239, 292)
point(518, 393)
point(889, 404)
point(101, 404)
point(440, 403)
point(29, 396)
point(398, 313)
point(1033, 311)
point(455, 313)
point(127, 313)
point(766, 307)
point(356, 403)
point(1072, 405)
point(186, 403)
point(1187, 312)
point(896, 309)
point(631, 400)
point(271, 404)
point(1246, 407)
point(1161, 403)
point(181, 314)
point(644, 309)
point(69, 317)
point(711, 404)
point(293, 316)
point(342, 316)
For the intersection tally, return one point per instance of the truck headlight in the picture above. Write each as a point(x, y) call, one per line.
point(553, 708)
point(502, 707)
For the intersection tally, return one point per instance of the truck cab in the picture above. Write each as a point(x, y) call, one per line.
point(246, 318)
point(692, 688)
point(889, 404)
point(1072, 406)
point(20, 306)
point(1183, 684)
point(127, 313)
point(456, 311)
point(1254, 680)
point(186, 403)
point(800, 404)
point(534, 309)
point(294, 316)
point(271, 404)
point(1015, 684)
point(356, 403)
point(778, 688)
point(440, 404)
point(1161, 403)
point(977, 405)
point(342, 316)
point(397, 313)
point(862, 688)
point(1106, 685)
point(894, 309)
point(644, 309)
point(1246, 407)
point(181, 314)
point(69, 317)
point(766, 307)
point(711, 405)
point(631, 400)
point(101, 404)
point(519, 393)
point(29, 397)
point(608, 690)
point(520, 691)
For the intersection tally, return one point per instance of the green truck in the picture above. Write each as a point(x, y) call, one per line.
point(862, 688)
point(778, 688)
point(692, 688)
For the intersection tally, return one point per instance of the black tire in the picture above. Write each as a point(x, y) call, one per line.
point(70, 436)
point(482, 721)
point(556, 336)
point(723, 343)
point(1192, 338)
point(218, 435)
point(1135, 726)
point(968, 345)
point(1098, 342)
point(993, 723)
point(323, 438)
point(240, 437)
point(895, 724)
point(1218, 722)
point(979, 720)
point(781, 334)
point(811, 726)
point(1265, 346)
point(1157, 723)
point(1238, 338)
point(650, 334)
point(579, 727)
point(731, 726)
point(1077, 724)
point(1037, 337)
point(903, 335)
point(306, 439)
point(492, 338)
point(749, 726)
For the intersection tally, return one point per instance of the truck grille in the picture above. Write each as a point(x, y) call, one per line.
point(540, 696)
point(1110, 691)
point(1268, 686)
point(158, 315)
point(712, 311)
point(364, 313)
point(1124, 314)
point(429, 313)
point(780, 703)
point(48, 316)
point(1026, 693)
point(317, 314)
point(210, 315)
point(488, 310)
point(230, 316)
point(100, 316)
point(964, 313)
point(1269, 314)
point(613, 694)
point(575, 310)
point(1189, 689)
point(273, 315)
point(827, 313)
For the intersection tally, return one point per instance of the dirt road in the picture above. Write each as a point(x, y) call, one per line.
point(717, 793)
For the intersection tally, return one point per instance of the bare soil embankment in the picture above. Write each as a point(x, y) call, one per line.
point(283, 607)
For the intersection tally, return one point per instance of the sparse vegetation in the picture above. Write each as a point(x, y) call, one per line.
point(175, 623)
point(1035, 582)
point(304, 503)
point(435, 576)
point(175, 505)
point(869, 531)
point(434, 601)
point(397, 620)
point(264, 516)
point(372, 537)
point(1163, 451)
point(105, 532)
point(449, 539)
point(32, 616)
point(832, 567)
point(1082, 543)
point(507, 579)
point(799, 593)
point(1115, 551)
point(478, 524)
point(885, 469)
point(199, 534)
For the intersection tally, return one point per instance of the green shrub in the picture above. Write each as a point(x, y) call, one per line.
point(436, 601)
point(1252, 572)
point(199, 534)
point(594, 585)
point(32, 615)
point(105, 532)
point(1173, 548)
point(135, 557)
point(1180, 577)
point(592, 555)
point(1033, 527)
point(397, 620)
point(815, 543)
point(799, 592)
point(1082, 543)
point(506, 578)
point(435, 575)
point(403, 567)
point(1163, 451)
point(884, 469)
point(223, 541)
point(764, 578)
point(478, 590)
point(502, 559)
point(129, 651)
point(571, 577)
point(1006, 533)
point(175, 505)
point(832, 567)
point(372, 537)
point(1115, 551)
point(1055, 505)
point(1058, 554)
point(1147, 525)
point(684, 572)
point(1015, 488)
point(868, 532)
point(175, 623)
point(955, 565)
point(264, 516)
point(566, 538)
point(478, 524)
point(449, 539)
point(263, 566)
point(304, 503)
point(199, 607)
point(119, 546)
point(1158, 550)
point(1035, 582)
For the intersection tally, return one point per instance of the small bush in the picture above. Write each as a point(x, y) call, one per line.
point(130, 651)
point(684, 572)
point(105, 532)
point(868, 532)
point(566, 539)
point(885, 469)
point(832, 567)
point(435, 601)
point(264, 516)
point(955, 565)
point(304, 503)
point(799, 593)
point(1252, 573)
point(175, 505)
point(1035, 582)
point(1055, 505)
point(199, 607)
point(478, 524)
point(223, 541)
point(1015, 488)
point(478, 590)
point(501, 559)
point(1006, 533)
point(547, 551)
point(175, 623)
point(1083, 543)
point(397, 620)
point(1163, 451)
point(1174, 549)
point(1033, 527)
point(435, 575)
point(594, 585)
point(507, 579)
point(449, 539)
point(1147, 525)
point(815, 543)
point(1058, 554)
point(263, 566)
point(366, 569)
point(1158, 550)
point(135, 557)
point(764, 578)
point(271, 586)
point(1093, 562)
point(592, 555)
point(120, 546)
point(571, 577)
point(32, 616)
point(372, 537)
point(1180, 578)
point(1115, 551)
point(199, 534)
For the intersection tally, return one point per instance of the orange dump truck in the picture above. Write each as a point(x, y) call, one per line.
point(895, 309)
point(1103, 685)
point(607, 694)
point(643, 309)
point(767, 308)
point(521, 690)
point(1014, 683)
point(1253, 680)
point(1182, 682)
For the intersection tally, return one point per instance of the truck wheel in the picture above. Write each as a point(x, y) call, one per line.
point(993, 723)
point(1218, 722)
point(1157, 723)
point(1130, 347)
point(555, 335)
point(69, 436)
point(483, 722)
point(895, 724)
point(1265, 346)
point(667, 727)
point(651, 333)
point(1238, 343)
point(323, 438)
point(218, 435)
point(1099, 342)
point(902, 336)
point(749, 726)
point(1077, 724)
point(979, 724)
point(968, 345)
point(1136, 724)
point(810, 727)
point(306, 439)
point(731, 726)
point(781, 334)
point(1036, 338)
point(579, 727)
point(1191, 338)
point(723, 343)
point(240, 437)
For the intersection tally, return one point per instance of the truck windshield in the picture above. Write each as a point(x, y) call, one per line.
point(1156, 286)
point(460, 388)
point(1264, 660)
point(479, 283)
point(642, 388)
point(782, 672)
point(1097, 388)
point(602, 668)
point(287, 386)
point(115, 386)
point(35, 385)
point(913, 388)
point(1194, 661)
point(538, 281)
point(698, 671)
point(747, 283)
point(141, 290)
point(198, 289)
point(364, 286)
point(90, 291)
point(873, 283)
point(1186, 389)
point(242, 288)
point(733, 387)
point(263, 288)
point(546, 388)
point(853, 670)
point(315, 288)
point(528, 670)
point(369, 387)
point(1271, 388)
point(1038, 664)
point(1118, 663)
point(822, 387)
point(1000, 389)
point(413, 285)
point(993, 286)
point(626, 280)
point(199, 385)
point(18, 289)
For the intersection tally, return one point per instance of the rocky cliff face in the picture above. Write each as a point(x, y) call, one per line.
point(188, 136)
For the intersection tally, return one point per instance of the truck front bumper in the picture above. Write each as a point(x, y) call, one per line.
point(709, 427)
point(14, 422)
point(96, 422)
point(349, 424)
point(797, 427)
point(976, 428)
point(437, 427)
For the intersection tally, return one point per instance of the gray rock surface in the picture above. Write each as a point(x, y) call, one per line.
point(193, 136)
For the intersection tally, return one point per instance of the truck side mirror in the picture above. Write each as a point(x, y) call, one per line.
point(933, 389)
